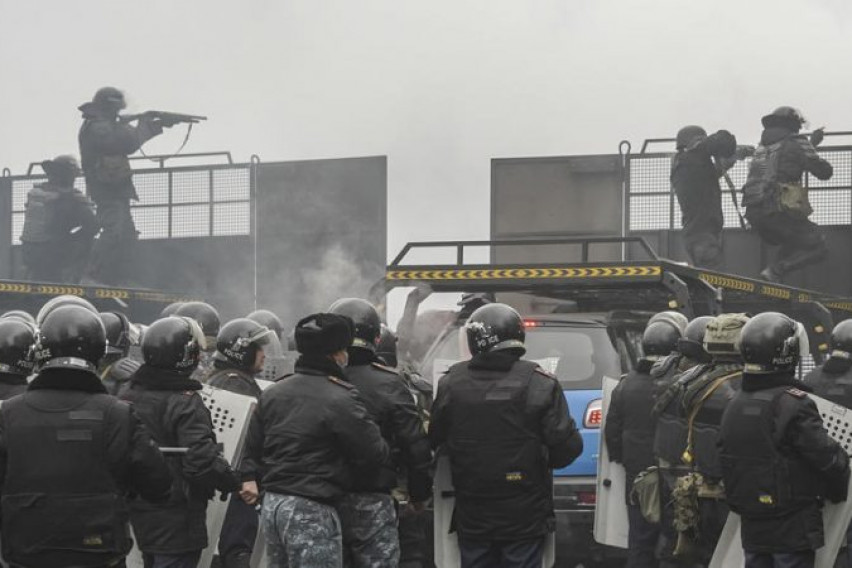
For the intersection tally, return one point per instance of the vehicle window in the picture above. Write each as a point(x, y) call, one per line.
point(579, 357)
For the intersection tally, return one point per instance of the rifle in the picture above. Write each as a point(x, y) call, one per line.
point(168, 117)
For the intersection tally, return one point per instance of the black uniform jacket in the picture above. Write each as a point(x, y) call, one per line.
point(224, 376)
point(172, 409)
point(311, 434)
point(695, 180)
point(630, 424)
point(809, 466)
point(63, 489)
point(393, 408)
point(505, 423)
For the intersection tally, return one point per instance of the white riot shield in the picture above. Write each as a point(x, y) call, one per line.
point(230, 413)
point(611, 525)
point(835, 516)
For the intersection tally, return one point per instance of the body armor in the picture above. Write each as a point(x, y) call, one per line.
point(52, 520)
point(495, 451)
point(761, 481)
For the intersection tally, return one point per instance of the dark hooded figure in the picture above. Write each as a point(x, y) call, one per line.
point(776, 202)
point(59, 225)
point(695, 179)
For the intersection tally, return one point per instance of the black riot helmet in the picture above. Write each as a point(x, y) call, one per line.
point(368, 324)
point(689, 135)
point(19, 315)
point(660, 339)
point(493, 327)
point(206, 316)
point(239, 341)
point(841, 340)
point(170, 309)
point(173, 344)
point(119, 333)
point(268, 319)
point(692, 343)
point(672, 317)
point(66, 300)
point(786, 117)
point(17, 346)
point(109, 98)
point(771, 343)
point(70, 337)
point(386, 349)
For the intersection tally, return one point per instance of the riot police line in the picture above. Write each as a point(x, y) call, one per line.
point(722, 450)
point(111, 453)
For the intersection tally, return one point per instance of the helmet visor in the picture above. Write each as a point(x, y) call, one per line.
point(197, 332)
point(267, 340)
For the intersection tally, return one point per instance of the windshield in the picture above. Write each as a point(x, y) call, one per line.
point(579, 356)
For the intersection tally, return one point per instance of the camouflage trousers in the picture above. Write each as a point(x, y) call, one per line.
point(300, 533)
point(370, 535)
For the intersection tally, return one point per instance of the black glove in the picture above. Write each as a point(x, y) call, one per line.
point(817, 136)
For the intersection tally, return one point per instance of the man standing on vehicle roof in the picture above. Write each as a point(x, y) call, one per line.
point(105, 144)
point(778, 462)
point(506, 425)
point(776, 203)
point(696, 168)
point(629, 435)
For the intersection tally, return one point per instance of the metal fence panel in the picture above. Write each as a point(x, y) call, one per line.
point(652, 205)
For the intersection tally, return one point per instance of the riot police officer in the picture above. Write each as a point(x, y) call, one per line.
point(115, 367)
point(59, 225)
point(695, 179)
point(69, 453)
point(368, 513)
point(833, 381)
point(173, 534)
point(208, 318)
point(689, 353)
point(689, 412)
point(778, 461)
point(17, 356)
point(105, 144)
point(629, 434)
point(239, 357)
point(505, 424)
point(309, 439)
point(776, 203)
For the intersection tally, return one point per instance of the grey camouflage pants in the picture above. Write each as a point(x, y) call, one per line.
point(370, 535)
point(300, 533)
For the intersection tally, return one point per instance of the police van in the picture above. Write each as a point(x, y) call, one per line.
point(584, 322)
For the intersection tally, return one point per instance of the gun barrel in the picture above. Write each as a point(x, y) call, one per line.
point(163, 115)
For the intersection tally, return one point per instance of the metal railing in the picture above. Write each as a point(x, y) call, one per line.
point(174, 202)
point(652, 205)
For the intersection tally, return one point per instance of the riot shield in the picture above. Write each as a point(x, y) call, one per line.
point(230, 413)
point(611, 525)
point(835, 516)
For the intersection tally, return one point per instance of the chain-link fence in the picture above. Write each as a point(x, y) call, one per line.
point(206, 201)
point(653, 205)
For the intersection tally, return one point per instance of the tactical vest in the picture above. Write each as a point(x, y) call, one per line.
point(59, 496)
point(760, 481)
point(671, 434)
point(496, 451)
point(40, 218)
point(762, 180)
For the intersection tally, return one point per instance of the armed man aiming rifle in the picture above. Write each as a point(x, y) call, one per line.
point(106, 140)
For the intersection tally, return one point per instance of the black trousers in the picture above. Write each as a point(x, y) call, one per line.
point(800, 240)
point(112, 255)
point(704, 248)
point(501, 554)
point(642, 539)
point(803, 559)
point(239, 531)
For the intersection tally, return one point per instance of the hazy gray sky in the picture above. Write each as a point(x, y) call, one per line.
point(439, 86)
